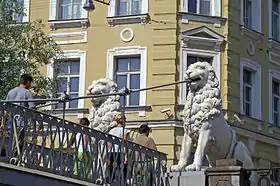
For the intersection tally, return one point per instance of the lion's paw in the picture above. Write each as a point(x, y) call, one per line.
point(176, 168)
point(193, 167)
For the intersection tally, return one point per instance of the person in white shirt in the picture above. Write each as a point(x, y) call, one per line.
point(82, 150)
point(115, 152)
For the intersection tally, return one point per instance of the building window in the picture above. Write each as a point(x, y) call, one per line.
point(127, 74)
point(251, 12)
point(127, 66)
point(20, 12)
point(200, 7)
point(191, 56)
point(275, 19)
point(68, 75)
point(70, 9)
point(250, 88)
point(129, 7)
point(67, 10)
point(276, 98)
point(19, 18)
point(247, 92)
point(247, 13)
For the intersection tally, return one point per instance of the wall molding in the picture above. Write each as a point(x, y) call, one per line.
point(68, 36)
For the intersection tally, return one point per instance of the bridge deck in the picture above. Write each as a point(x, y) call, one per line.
point(20, 176)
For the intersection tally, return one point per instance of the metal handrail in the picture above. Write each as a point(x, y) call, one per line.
point(56, 134)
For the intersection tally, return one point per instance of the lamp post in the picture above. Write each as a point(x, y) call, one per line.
point(89, 5)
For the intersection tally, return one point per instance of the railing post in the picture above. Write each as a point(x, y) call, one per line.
point(123, 128)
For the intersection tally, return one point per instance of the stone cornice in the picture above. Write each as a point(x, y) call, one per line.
point(216, 43)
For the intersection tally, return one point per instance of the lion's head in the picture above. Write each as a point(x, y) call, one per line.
point(104, 108)
point(203, 100)
point(102, 86)
point(199, 75)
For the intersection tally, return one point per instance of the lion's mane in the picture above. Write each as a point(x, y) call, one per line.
point(203, 104)
point(103, 112)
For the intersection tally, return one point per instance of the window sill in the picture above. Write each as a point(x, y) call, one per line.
point(67, 111)
point(118, 20)
point(251, 33)
point(217, 21)
point(70, 23)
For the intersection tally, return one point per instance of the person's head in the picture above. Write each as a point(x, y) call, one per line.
point(144, 129)
point(84, 122)
point(26, 80)
point(119, 119)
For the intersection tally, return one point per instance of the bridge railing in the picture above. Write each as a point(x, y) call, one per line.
point(267, 177)
point(54, 145)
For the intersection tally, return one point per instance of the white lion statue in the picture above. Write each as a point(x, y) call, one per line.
point(104, 109)
point(204, 123)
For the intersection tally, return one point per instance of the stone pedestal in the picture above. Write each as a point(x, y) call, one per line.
point(192, 178)
point(227, 173)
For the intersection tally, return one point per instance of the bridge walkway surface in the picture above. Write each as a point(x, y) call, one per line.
point(13, 175)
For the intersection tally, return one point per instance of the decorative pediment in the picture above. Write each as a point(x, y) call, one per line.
point(202, 36)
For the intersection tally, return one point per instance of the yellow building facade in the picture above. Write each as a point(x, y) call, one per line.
point(142, 43)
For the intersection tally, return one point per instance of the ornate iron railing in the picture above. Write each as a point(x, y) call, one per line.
point(54, 145)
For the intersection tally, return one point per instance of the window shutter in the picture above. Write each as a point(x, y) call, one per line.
point(256, 15)
point(216, 7)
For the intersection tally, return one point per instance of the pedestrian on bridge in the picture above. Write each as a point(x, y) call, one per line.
point(82, 154)
point(21, 92)
point(115, 151)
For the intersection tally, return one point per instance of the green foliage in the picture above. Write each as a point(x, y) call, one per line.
point(24, 48)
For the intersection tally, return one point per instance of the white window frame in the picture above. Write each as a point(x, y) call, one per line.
point(54, 8)
point(26, 17)
point(256, 15)
point(257, 94)
point(270, 20)
point(112, 8)
point(201, 53)
point(215, 7)
point(129, 51)
point(273, 74)
point(74, 54)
